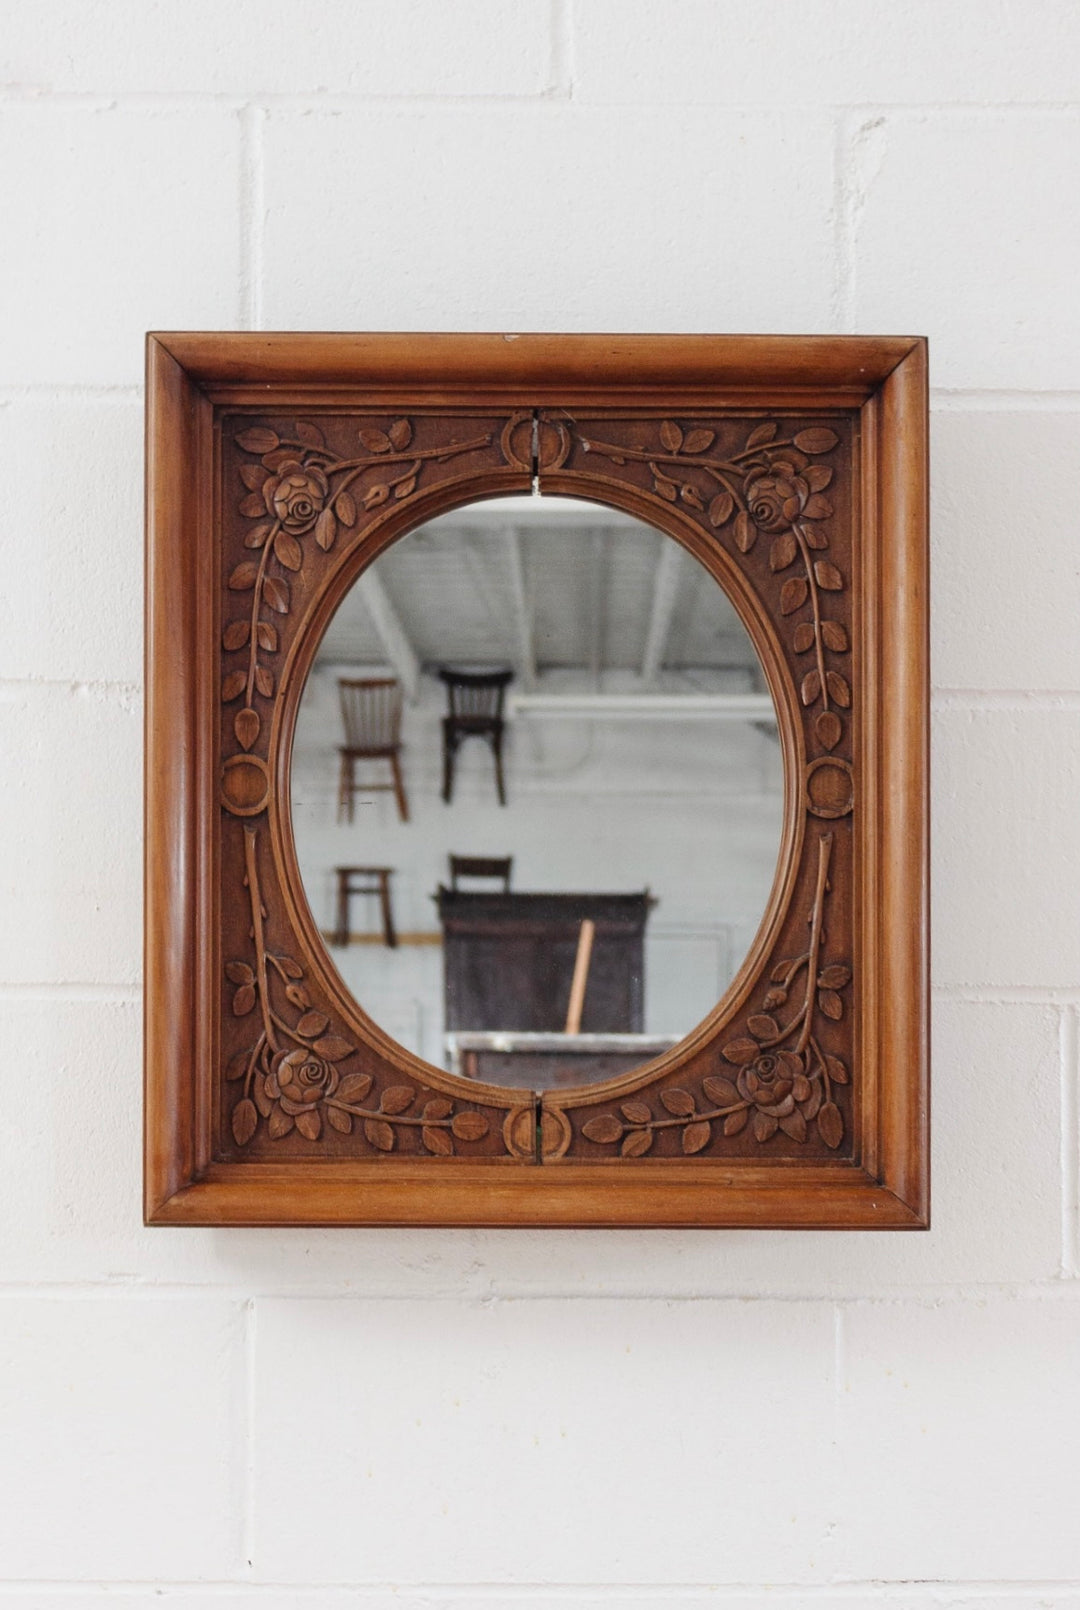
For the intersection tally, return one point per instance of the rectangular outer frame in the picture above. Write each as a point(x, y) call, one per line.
point(885, 378)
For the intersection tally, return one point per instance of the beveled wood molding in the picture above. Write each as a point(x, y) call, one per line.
point(794, 469)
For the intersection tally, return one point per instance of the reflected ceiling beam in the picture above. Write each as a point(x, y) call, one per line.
point(755, 707)
point(522, 605)
point(391, 633)
point(598, 604)
point(665, 592)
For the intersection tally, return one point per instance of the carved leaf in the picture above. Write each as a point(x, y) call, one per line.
point(253, 476)
point(783, 552)
point(811, 687)
point(287, 551)
point(828, 576)
point(246, 726)
point(345, 508)
point(236, 1067)
point(437, 1107)
point(262, 1098)
point(637, 1143)
point(603, 1129)
point(276, 593)
point(791, 1062)
point(835, 636)
point(243, 1000)
point(837, 1070)
point(793, 594)
point(397, 1098)
point(405, 489)
point(312, 1024)
point(267, 637)
point(469, 1125)
point(375, 440)
point(326, 529)
point(828, 729)
point(279, 1124)
point(257, 439)
point(815, 537)
point(831, 1004)
point(256, 538)
point(244, 576)
point(400, 434)
point(817, 507)
point(720, 1091)
point(740, 1051)
point(765, 1125)
point(279, 458)
point(378, 1134)
point(835, 976)
point(679, 1103)
point(671, 435)
point(376, 494)
point(812, 1105)
point(698, 441)
point(636, 1112)
point(437, 1141)
point(354, 1087)
point(762, 1027)
point(253, 506)
point(780, 972)
point(720, 512)
point(830, 1125)
point(309, 1124)
point(291, 967)
point(818, 439)
point(239, 973)
point(310, 435)
point(341, 1121)
point(817, 476)
point(245, 1121)
point(264, 681)
point(839, 691)
point(794, 1124)
point(235, 636)
point(691, 496)
point(695, 1137)
point(333, 1049)
point(667, 489)
point(803, 640)
point(736, 1122)
point(761, 434)
point(801, 1087)
point(298, 995)
point(745, 532)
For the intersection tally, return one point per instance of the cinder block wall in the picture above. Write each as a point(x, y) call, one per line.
point(421, 1419)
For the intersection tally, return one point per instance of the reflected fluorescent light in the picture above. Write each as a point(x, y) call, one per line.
point(646, 706)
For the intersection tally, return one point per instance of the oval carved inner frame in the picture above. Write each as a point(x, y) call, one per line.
point(794, 469)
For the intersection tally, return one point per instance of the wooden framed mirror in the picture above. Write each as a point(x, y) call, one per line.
point(392, 582)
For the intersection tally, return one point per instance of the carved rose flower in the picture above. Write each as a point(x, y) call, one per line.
point(296, 495)
point(298, 1079)
point(777, 497)
point(769, 1081)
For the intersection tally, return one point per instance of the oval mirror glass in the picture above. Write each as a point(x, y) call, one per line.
point(537, 791)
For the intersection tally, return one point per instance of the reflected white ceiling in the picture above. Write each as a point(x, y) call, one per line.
point(570, 584)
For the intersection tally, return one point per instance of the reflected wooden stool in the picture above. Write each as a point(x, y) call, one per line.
point(377, 881)
point(482, 866)
point(371, 712)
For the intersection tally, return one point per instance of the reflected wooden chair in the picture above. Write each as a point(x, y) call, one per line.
point(496, 867)
point(371, 712)
point(475, 700)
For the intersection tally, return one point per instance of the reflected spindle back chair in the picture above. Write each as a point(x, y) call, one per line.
point(371, 712)
point(475, 700)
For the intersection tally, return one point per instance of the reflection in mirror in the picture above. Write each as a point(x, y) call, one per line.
point(537, 791)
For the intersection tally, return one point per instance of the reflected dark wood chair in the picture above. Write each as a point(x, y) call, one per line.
point(371, 712)
point(475, 711)
point(375, 880)
point(497, 867)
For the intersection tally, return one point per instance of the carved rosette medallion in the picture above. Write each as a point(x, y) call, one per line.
point(303, 499)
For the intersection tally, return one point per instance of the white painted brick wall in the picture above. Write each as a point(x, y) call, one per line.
point(426, 1419)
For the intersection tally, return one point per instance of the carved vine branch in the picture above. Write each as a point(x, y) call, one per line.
point(784, 1080)
point(769, 488)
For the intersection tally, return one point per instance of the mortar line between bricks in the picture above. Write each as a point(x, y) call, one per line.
point(562, 47)
point(1009, 994)
point(1070, 1143)
point(247, 1495)
point(1056, 1290)
point(843, 298)
point(1054, 699)
point(252, 119)
point(70, 992)
point(544, 1592)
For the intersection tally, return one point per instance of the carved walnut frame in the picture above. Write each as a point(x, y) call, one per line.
point(794, 469)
